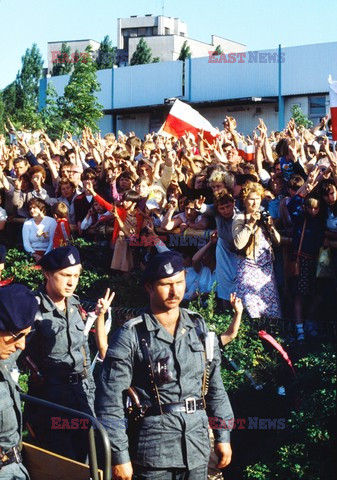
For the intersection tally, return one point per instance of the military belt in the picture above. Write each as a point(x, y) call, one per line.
point(189, 405)
point(67, 378)
point(9, 456)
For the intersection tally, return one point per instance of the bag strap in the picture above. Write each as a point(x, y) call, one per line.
point(301, 239)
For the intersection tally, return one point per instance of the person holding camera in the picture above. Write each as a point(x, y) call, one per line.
point(253, 236)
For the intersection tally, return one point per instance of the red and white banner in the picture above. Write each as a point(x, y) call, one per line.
point(183, 118)
point(247, 152)
point(333, 106)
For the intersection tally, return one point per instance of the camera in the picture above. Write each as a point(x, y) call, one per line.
point(264, 215)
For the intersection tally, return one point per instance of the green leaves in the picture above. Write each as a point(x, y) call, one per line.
point(142, 54)
point(185, 51)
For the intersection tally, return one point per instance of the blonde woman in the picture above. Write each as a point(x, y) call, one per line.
point(253, 235)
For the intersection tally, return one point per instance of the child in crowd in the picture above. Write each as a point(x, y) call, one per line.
point(62, 232)
point(128, 223)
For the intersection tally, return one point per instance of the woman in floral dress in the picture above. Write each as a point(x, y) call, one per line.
point(253, 234)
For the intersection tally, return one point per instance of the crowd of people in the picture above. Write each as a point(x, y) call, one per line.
point(269, 228)
point(269, 221)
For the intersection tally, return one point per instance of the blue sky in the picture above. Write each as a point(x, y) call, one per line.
point(260, 25)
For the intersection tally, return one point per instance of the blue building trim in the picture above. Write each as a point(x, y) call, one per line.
point(42, 93)
point(280, 96)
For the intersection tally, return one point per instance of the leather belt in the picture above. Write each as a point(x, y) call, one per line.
point(10, 456)
point(189, 405)
point(67, 378)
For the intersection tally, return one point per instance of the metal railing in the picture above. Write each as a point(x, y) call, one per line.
point(95, 426)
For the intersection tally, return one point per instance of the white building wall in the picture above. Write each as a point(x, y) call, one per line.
point(161, 46)
point(227, 45)
point(105, 124)
point(247, 119)
point(133, 122)
point(79, 45)
point(146, 84)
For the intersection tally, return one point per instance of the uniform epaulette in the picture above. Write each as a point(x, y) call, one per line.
point(193, 313)
point(133, 322)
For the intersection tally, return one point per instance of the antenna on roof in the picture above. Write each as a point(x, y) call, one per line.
point(163, 8)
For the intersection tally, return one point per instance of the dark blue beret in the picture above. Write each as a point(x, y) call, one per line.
point(3, 252)
point(18, 307)
point(163, 265)
point(59, 258)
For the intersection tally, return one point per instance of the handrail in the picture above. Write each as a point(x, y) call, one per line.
point(95, 425)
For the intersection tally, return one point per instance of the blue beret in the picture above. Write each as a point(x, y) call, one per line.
point(3, 252)
point(59, 258)
point(18, 307)
point(163, 265)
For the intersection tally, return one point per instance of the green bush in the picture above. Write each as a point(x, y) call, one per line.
point(306, 447)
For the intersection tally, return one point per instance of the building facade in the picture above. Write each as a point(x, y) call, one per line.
point(246, 86)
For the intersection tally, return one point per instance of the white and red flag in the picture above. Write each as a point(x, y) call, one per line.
point(183, 118)
point(333, 106)
point(245, 151)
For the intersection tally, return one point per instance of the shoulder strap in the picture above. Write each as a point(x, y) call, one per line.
point(144, 342)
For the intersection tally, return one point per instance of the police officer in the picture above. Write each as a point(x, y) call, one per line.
point(18, 307)
point(175, 380)
point(59, 354)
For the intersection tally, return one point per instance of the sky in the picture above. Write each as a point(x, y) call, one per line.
point(259, 24)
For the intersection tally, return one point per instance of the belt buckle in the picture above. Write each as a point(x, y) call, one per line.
point(73, 379)
point(17, 455)
point(190, 404)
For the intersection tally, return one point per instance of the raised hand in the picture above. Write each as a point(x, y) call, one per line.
point(236, 303)
point(198, 203)
point(104, 303)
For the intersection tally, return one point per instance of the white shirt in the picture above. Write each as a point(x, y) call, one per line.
point(38, 237)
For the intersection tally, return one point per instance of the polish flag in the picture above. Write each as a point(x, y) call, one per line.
point(247, 152)
point(183, 118)
point(333, 106)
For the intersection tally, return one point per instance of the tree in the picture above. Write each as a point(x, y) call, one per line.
point(300, 117)
point(185, 52)
point(106, 54)
point(62, 64)
point(51, 114)
point(142, 54)
point(80, 107)
point(24, 92)
point(156, 60)
point(9, 95)
point(218, 50)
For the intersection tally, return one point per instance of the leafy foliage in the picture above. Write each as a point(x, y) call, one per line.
point(305, 448)
point(299, 117)
point(51, 114)
point(80, 107)
point(106, 55)
point(20, 98)
point(142, 54)
point(185, 52)
point(244, 355)
point(62, 65)
point(218, 50)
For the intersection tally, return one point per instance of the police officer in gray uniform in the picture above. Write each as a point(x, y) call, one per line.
point(60, 357)
point(18, 307)
point(164, 356)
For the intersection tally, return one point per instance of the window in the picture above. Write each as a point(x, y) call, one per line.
point(317, 108)
point(167, 31)
point(141, 32)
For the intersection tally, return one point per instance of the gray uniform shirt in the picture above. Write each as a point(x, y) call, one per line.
point(171, 440)
point(10, 406)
